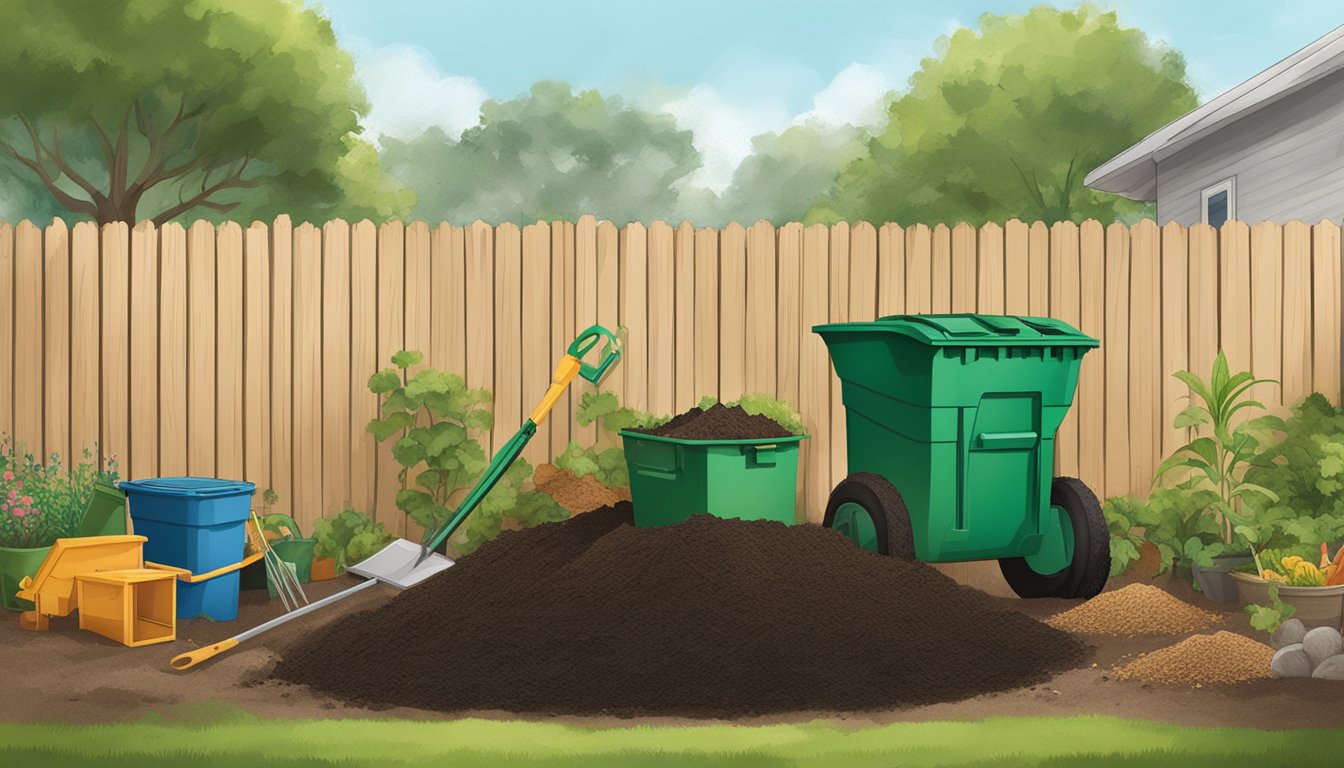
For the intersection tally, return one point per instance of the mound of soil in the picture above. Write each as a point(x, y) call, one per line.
point(718, 422)
point(1217, 659)
point(576, 494)
point(1136, 609)
point(709, 617)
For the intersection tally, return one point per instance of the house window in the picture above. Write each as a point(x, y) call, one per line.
point(1218, 203)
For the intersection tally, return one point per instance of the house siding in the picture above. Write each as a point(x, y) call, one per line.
point(1288, 160)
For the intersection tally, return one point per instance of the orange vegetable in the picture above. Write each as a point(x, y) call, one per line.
point(1337, 573)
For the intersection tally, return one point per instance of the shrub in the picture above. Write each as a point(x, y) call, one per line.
point(1121, 514)
point(1305, 471)
point(41, 503)
point(349, 537)
point(432, 416)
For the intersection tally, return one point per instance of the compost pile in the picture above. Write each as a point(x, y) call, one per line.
point(718, 422)
point(574, 494)
point(1138, 609)
point(1220, 658)
point(709, 617)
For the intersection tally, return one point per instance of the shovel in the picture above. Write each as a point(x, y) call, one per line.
point(402, 563)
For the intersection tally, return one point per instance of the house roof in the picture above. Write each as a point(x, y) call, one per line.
point(1133, 173)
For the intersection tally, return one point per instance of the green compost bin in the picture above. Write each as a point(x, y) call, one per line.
point(959, 413)
point(672, 479)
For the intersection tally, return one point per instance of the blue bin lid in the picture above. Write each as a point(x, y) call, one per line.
point(190, 487)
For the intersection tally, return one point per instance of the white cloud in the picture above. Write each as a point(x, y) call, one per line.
point(408, 94)
point(856, 96)
point(723, 131)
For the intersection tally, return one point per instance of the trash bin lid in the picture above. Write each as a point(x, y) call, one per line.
point(195, 487)
point(973, 330)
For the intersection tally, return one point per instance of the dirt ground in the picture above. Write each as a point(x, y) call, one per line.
point(67, 675)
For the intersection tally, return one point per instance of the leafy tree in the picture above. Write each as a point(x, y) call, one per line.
point(552, 154)
point(159, 108)
point(1009, 118)
point(783, 175)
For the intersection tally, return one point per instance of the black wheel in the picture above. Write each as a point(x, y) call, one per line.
point(1090, 564)
point(869, 510)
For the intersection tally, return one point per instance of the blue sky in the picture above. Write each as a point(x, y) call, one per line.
point(736, 68)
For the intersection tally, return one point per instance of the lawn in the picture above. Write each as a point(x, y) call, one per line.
point(210, 737)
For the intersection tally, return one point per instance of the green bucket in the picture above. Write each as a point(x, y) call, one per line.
point(295, 553)
point(15, 564)
point(672, 479)
point(106, 513)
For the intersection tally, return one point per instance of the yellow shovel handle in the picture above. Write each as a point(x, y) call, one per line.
point(192, 658)
point(564, 374)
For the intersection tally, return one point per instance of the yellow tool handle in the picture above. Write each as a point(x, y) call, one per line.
point(564, 374)
point(191, 578)
point(192, 658)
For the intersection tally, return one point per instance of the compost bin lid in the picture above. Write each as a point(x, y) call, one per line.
point(972, 330)
point(199, 487)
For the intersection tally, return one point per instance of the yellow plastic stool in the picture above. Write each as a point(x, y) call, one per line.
point(52, 588)
point(134, 607)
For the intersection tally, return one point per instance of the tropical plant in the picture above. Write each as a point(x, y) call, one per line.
point(432, 414)
point(1177, 521)
point(1220, 461)
point(1305, 470)
point(41, 503)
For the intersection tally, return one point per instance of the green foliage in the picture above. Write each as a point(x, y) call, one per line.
point(1220, 462)
point(1305, 470)
point(432, 419)
point(1121, 515)
point(349, 537)
point(1268, 618)
point(151, 109)
point(606, 459)
point(1177, 521)
point(41, 503)
point(772, 408)
point(1008, 118)
point(551, 154)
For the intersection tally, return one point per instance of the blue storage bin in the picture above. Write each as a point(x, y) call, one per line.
point(198, 524)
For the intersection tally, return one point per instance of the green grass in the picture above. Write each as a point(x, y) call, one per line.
point(215, 737)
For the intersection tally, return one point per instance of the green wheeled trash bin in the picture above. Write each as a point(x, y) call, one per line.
point(951, 424)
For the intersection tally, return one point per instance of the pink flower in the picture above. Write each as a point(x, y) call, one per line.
point(8, 476)
point(27, 501)
point(18, 512)
point(13, 495)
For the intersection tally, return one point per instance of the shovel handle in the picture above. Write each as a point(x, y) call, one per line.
point(192, 658)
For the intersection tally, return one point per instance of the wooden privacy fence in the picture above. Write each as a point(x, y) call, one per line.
point(232, 352)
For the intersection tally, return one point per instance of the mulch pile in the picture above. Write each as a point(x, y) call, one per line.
point(1137, 609)
point(718, 422)
point(576, 495)
point(710, 617)
point(1199, 660)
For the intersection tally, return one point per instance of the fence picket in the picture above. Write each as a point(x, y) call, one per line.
point(989, 270)
point(1116, 352)
point(706, 313)
point(634, 365)
point(306, 495)
point(732, 311)
point(256, 356)
point(508, 334)
point(1267, 311)
point(364, 362)
point(1090, 402)
point(229, 350)
point(761, 327)
point(964, 277)
point(662, 320)
point(1145, 360)
point(684, 365)
point(1016, 268)
point(85, 347)
point(1296, 312)
point(7, 329)
point(890, 270)
point(282, 363)
point(536, 332)
point(814, 379)
point(585, 309)
point(838, 312)
point(1325, 318)
point(200, 347)
point(144, 415)
point(28, 330)
point(1174, 277)
point(337, 385)
point(1063, 290)
point(392, 339)
point(942, 269)
point(56, 342)
point(918, 269)
point(172, 340)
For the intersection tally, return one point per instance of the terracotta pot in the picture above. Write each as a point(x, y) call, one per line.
point(324, 568)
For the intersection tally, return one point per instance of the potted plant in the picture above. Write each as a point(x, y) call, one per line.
point(1218, 462)
point(38, 505)
point(289, 545)
point(1303, 577)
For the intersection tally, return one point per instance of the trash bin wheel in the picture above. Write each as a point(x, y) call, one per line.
point(1086, 573)
point(869, 510)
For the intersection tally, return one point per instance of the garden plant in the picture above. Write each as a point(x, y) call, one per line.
point(40, 503)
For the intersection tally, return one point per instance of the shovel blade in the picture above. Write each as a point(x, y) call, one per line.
point(396, 565)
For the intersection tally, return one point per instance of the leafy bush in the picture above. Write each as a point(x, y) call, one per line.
point(773, 408)
point(605, 460)
point(349, 537)
point(1121, 513)
point(433, 416)
point(1305, 471)
point(1176, 520)
point(41, 503)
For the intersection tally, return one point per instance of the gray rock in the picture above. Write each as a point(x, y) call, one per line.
point(1330, 669)
point(1321, 643)
point(1289, 632)
point(1291, 661)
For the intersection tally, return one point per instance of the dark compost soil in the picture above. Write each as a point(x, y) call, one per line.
point(709, 617)
point(718, 422)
